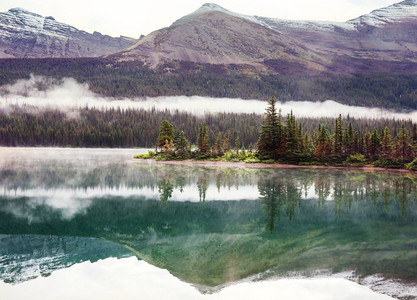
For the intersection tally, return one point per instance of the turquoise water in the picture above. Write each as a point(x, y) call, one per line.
point(207, 226)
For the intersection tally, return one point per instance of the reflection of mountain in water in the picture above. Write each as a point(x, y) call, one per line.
point(29, 256)
point(298, 220)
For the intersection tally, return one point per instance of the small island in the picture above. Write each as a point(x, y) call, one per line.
point(286, 142)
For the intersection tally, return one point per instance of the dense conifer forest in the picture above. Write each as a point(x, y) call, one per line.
point(273, 137)
point(286, 140)
point(90, 127)
point(132, 79)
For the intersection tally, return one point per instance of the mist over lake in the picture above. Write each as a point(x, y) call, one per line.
point(214, 229)
point(227, 153)
point(68, 95)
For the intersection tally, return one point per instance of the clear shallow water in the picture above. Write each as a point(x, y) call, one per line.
point(207, 226)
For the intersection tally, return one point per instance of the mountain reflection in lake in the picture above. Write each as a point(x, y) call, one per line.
point(205, 225)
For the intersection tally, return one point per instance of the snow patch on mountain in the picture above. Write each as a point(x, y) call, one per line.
point(27, 34)
point(28, 22)
point(402, 11)
point(209, 8)
point(406, 10)
point(276, 24)
point(271, 23)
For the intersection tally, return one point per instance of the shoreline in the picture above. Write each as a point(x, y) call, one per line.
point(241, 164)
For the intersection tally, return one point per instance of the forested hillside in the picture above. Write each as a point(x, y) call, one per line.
point(372, 88)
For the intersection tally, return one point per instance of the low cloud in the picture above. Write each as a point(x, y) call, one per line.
point(68, 95)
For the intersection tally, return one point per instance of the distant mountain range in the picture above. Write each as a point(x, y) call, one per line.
point(215, 35)
point(368, 61)
point(26, 34)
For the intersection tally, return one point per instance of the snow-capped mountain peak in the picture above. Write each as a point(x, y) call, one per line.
point(18, 10)
point(212, 6)
point(405, 10)
point(27, 34)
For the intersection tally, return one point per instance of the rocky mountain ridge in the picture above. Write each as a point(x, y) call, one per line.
point(215, 35)
point(27, 34)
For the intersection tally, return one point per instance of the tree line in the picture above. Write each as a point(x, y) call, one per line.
point(113, 127)
point(324, 140)
point(285, 140)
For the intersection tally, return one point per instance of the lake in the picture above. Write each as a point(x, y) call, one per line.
point(96, 224)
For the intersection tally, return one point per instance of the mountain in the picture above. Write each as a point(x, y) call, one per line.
point(215, 35)
point(25, 257)
point(26, 34)
point(405, 11)
point(368, 61)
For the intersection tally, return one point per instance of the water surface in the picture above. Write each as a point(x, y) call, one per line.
point(207, 226)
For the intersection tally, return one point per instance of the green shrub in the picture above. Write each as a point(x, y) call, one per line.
point(412, 166)
point(230, 156)
point(355, 160)
point(252, 160)
point(148, 155)
point(392, 164)
point(165, 156)
point(200, 155)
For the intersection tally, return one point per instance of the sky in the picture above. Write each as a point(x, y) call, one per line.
point(135, 17)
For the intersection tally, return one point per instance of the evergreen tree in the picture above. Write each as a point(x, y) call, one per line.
point(374, 145)
point(217, 149)
point(403, 147)
point(386, 145)
point(237, 145)
point(323, 146)
point(307, 147)
point(356, 143)
point(291, 136)
point(250, 148)
point(350, 139)
point(182, 146)
point(338, 136)
point(165, 139)
point(203, 144)
point(270, 133)
point(227, 141)
point(200, 138)
point(414, 140)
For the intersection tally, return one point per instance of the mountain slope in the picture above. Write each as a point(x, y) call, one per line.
point(400, 12)
point(215, 35)
point(26, 34)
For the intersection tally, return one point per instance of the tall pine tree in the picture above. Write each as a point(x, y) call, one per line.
point(270, 133)
point(182, 146)
point(165, 140)
point(203, 139)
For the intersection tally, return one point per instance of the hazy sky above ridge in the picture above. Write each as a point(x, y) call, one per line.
point(133, 18)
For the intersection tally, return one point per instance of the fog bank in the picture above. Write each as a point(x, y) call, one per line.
point(68, 94)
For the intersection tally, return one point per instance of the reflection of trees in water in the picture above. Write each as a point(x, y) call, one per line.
point(165, 188)
point(345, 187)
point(270, 198)
point(342, 187)
point(231, 233)
point(284, 194)
point(202, 185)
point(278, 196)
